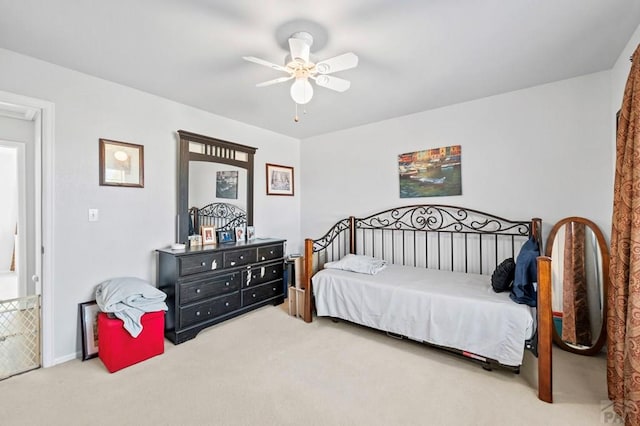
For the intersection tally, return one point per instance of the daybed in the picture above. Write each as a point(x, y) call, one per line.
point(435, 287)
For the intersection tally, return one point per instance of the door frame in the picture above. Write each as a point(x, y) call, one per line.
point(41, 113)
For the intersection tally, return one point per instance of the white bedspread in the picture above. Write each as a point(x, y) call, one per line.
point(445, 308)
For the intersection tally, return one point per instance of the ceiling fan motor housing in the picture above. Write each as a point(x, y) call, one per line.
point(305, 36)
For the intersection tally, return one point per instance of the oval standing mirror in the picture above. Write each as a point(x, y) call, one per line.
point(579, 275)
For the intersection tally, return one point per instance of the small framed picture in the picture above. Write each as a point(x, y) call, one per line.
point(279, 180)
point(121, 164)
point(89, 329)
point(208, 234)
point(240, 233)
point(226, 237)
point(251, 233)
point(195, 240)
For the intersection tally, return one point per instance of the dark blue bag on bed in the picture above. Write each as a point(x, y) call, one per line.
point(523, 290)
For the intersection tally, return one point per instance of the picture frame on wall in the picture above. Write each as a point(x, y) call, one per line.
point(208, 234)
point(121, 164)
point(89, 329)
point(279, 180)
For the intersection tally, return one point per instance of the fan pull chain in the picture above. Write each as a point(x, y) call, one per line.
point(304, 111)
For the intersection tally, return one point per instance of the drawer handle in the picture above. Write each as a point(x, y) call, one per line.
point(241, 257)
point(262, 258)
point(198, 313)
point(275, 270)
point(203, 264)
point(271, 252)
point(254, 295)
point(232, 263)
point(227, 283)
point(274, 289)
point(197, 290)
point(226, 304)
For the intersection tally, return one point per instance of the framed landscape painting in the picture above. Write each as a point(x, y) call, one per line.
point(433, 172)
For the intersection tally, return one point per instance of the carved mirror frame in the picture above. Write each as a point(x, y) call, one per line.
point(604, 252)
point(214, 151)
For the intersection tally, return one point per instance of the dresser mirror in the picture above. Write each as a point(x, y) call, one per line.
point(214, 177)
point(217, 183)
point(579, 275)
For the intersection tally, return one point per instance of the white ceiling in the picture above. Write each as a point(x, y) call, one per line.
point(414, 55)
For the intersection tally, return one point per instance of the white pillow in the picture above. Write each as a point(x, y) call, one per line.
point(358, 263)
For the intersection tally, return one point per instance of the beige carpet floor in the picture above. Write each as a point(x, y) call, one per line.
point(267, 368)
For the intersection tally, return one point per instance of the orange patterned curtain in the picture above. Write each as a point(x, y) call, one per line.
point(623, 310)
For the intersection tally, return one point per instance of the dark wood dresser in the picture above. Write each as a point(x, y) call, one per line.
point(209, 284)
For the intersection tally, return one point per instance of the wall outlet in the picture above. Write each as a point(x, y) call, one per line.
point(93, 215)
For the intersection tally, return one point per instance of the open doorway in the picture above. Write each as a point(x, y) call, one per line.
point(26, 145)
point(19, 296)
point(11, 260)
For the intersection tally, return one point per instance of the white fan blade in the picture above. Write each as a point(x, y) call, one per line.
point(274, 81)
point(337, 63)
point(333, 83)
point(265, 63)
point(299, 49)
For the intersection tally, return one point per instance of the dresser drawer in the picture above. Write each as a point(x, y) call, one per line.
point(191, 291)
point(200, 263)
point(239, 257)
point(210, 309)
point(270, 252)
point(261, 274)
point(262, 292)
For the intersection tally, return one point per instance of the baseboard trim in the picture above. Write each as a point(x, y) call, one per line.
point(64, 359)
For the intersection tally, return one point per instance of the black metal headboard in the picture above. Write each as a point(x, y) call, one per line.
point(431, 236)
point(223, 216)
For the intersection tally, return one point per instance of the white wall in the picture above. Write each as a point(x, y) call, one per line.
point(133, 221)
point(542, 152)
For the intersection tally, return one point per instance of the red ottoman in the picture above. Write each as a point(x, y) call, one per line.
point(118, 349)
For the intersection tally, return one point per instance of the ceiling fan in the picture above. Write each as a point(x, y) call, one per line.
point(300, 67)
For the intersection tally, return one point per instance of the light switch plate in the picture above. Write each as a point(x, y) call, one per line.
point(93, 215)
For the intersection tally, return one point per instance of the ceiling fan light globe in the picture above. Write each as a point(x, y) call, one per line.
point(301, 91)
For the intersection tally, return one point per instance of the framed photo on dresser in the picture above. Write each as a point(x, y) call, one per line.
point(226, 236)
point(240, 233)
point(208, 234)
point(251, 233)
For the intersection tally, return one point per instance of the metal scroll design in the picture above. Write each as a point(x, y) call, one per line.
point(226, 215)
point(326, 240)
point(443, 218)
